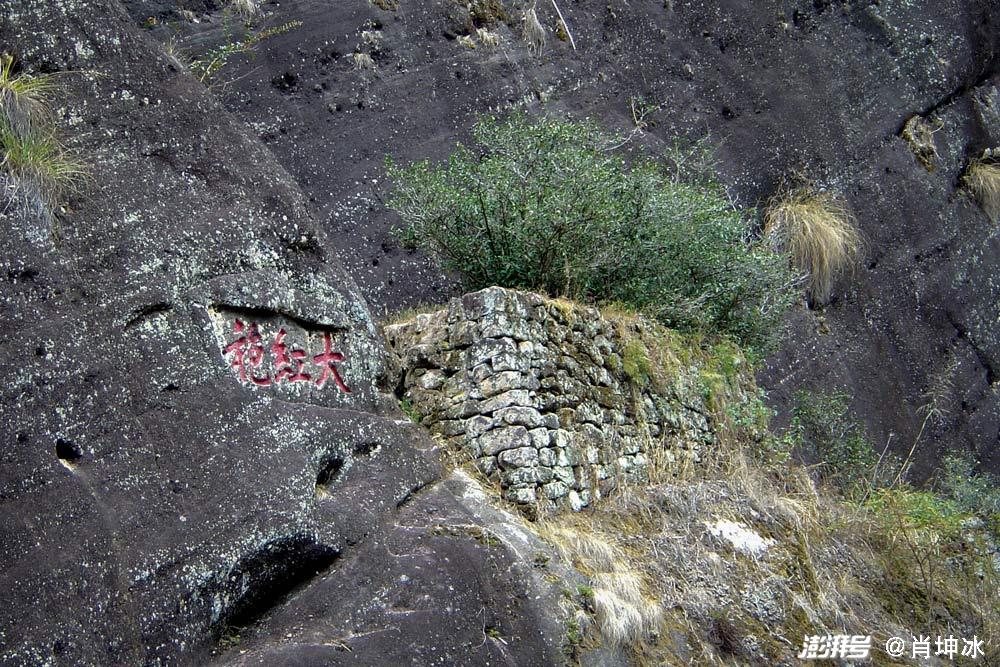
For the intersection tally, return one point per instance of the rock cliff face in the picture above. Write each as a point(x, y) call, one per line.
point(195, 416)
point(538, 392)
point(202, 456)
point(818, 88)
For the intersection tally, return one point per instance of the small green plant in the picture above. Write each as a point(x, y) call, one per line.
point(635, 362)
point(407, 407)
point(37, 160)
point(825, 431)
point(574, 636)
point(977, 494)
point(207, 66)
point(553, 205)
point(37, 167)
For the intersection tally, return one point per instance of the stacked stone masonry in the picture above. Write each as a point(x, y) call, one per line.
point(536, 392)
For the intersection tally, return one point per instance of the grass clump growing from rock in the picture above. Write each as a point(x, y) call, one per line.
point(37, 169)
point(982, 179)
point(553, 205)
point(818, 233)
point(23, 98)
point(38, 161)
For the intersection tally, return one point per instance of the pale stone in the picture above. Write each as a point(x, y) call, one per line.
point(501, 439)
point(432, 379)
point(589, 412)
point(547, 457)
point(516, 415)
point(577, 500)
point(521, 457)
point(539, 438)
point(518, 397)
point(504, 381)
point(476, 426)
point(511, 361)
point(523, 476)
point(564, 474)
point(561, 438)
point(522, 496)
point(554, 490)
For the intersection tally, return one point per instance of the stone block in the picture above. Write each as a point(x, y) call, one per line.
point(547, 457)
point(501, 439)
point(520, 457)
point(514, 397)
point(519, 416)
point(539, 438)
point(477, 425)
point(554, 490)
point(521, 495)
point(498, 383)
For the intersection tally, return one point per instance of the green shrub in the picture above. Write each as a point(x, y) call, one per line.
point(977, 494)
point(925, 512)
point(553, 205)
point(826, 433)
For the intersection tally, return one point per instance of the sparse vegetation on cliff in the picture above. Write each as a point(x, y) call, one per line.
point(37, 167)
point(552, 205)
point(982, 179)
point(23, 98)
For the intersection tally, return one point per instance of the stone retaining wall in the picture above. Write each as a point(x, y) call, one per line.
point(536, 391)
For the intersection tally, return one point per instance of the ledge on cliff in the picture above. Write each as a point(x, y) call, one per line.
point(698, 538)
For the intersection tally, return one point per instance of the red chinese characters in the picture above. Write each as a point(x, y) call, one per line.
point(328, 362)
point(247, 350)
point(284, 361)
point(247, 354)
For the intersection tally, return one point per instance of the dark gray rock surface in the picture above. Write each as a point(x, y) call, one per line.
point(435, 588)
point(819, 87)
point(167, 475)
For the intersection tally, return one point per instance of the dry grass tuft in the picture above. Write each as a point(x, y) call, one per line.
point(819, 234)
point(23, 98)
point(589, 550)
point(533, 32)
point(982, 179)
point(488, 39)
point(363, 61)
point(626, 613)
